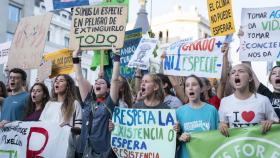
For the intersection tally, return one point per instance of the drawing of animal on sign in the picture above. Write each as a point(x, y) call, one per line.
point(29, 42)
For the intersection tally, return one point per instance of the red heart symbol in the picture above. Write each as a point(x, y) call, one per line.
point(248, 116)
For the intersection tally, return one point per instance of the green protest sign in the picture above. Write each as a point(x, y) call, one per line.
point(242, 143)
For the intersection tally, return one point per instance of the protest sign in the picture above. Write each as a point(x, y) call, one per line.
point(132, 39)
point(29, 42)
point(242, 142)
point(4, 50)
point(98, 27)
point(60, 4)
point(220, 17)
point(202, 58)
point(44, 71)
point(143, 52)
point(261, 31)
point(61, 62)
point(144, 133)
point(33, 139)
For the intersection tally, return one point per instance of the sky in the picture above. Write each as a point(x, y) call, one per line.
point(160, 7)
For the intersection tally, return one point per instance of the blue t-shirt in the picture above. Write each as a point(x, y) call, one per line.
point(13, 107)
point(193, 120)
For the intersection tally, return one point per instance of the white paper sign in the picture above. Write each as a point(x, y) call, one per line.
point(143, 52)
point(261, 28)
point(33, 139)
point(202, 58)
point(4, 50)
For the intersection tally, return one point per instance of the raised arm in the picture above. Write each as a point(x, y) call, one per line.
point(114, 89)
point(224, 77)
point(84, 85)
point(179, 88)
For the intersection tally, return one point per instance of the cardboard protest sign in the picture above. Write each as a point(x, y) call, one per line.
point(221, 17)
point(44, 71)
point(4, 50)
point(33, 139)
point(29, 42)
point(261, 31)
point(98, 27)
point(202, 58)
point(60, 4)
point(242, 142)
point(144, 133)
point(143, 52)
point(61, 62)
point(132, 39)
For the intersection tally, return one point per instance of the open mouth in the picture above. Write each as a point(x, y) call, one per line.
point(277, 81)
point(191, 94)
point(98, 88)
point(12, 84)
point(143, 89)
point(237, 80)
point(33, 96)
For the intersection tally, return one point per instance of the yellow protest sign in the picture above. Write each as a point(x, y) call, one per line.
point(220, 17)
point(61, 62)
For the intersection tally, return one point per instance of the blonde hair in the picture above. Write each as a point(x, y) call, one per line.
point(252, 86)
point(159, 93)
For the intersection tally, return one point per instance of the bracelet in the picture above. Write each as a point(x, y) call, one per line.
point(117, 58)
point(76, 60)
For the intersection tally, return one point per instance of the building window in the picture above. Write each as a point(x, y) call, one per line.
point(84, 72)
point(48, 36)
point(14, 13)
point(66, 42)
point(9, 36)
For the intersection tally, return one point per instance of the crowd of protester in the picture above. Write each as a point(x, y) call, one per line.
point(193, 98)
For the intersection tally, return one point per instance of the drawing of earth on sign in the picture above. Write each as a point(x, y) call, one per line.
point(143, 49)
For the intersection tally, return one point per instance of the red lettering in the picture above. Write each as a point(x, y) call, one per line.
point(35, 154)
point(211, 44)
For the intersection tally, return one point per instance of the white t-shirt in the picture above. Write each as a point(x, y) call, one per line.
point(172, 101)
point(244, 113)
point(52, 113)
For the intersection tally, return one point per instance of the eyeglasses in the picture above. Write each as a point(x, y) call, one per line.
point(14, 77)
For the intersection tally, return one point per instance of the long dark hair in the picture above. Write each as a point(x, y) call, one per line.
point(67, 107)
point(4, 90)
point(126, 92)
point(31, 106)
point(165, 80)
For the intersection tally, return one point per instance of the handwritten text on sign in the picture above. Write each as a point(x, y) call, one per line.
point(4, 50)
point(33, 139)
point(132, 39)
point(143, 53)
point(261, 28)
point(61, 62)
point(220, 16)
point(144, 133)
point(98, 27)
point(202, 58)
point(29, 42)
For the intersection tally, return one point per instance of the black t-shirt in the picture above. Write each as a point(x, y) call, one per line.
point(142, 105)
point(273, 97)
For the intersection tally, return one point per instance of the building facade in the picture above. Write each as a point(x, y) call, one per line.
point(11, 11)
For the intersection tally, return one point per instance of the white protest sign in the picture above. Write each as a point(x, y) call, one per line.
point(261, 28)
point(33, 139)
point(143, 53)
point(4, 50)
point(144, 133)
point(202, 58)
point(98, 27)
